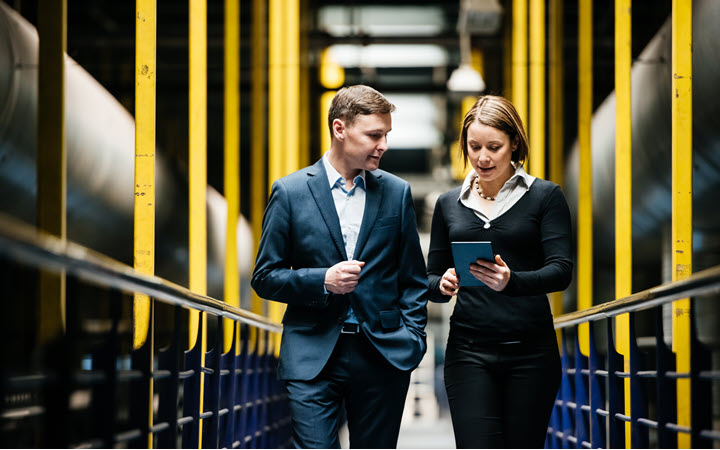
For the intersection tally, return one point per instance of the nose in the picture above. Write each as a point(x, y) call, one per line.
point(382, 144)
point(484, 155)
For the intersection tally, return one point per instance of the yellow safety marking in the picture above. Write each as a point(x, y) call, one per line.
point(51, 164)
point(585, 225)
point(536, 124)
point(520, 57)
point(198, 175)
point(682, 160)
point(232, 160)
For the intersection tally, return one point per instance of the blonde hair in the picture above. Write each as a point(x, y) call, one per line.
point(353, 101)
point(499, 113)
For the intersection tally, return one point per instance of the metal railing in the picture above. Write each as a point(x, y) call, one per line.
point(90, 388)
point(590, 409)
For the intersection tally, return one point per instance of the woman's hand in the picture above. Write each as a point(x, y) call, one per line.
point(449, 282)
point(495, 275)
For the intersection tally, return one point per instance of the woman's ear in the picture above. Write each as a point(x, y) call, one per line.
point(338, 127)
point(515, 143)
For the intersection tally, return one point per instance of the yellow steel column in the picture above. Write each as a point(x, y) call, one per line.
point(232, 160)
point(536, 122)
point(332, 76)
point(51, 158)
point(144, 241)
point(519, 58)
point(198, 172)
point(623, 185)
point(682, 199)
point(458, 169)
point(291, 64)
point(555, 112)
point(585, 225)
point(258, 116)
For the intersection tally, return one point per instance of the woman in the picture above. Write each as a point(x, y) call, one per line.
point(502, 368)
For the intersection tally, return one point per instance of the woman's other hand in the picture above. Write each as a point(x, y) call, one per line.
point(495, 275)
point(449, 282)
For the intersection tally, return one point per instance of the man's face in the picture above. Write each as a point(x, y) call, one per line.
point(365, 141)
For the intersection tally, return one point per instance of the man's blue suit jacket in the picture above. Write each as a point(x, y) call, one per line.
point(301, 239)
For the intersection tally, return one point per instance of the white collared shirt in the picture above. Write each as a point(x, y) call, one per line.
point(509, 194)
point(350, 205)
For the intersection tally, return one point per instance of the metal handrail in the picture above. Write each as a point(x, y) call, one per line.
point(32, 246)
point(698, 283)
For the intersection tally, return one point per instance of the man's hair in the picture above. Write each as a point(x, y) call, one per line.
point(352, 101)
point(499, 113)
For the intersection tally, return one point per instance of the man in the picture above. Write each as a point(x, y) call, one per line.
point(340, 246)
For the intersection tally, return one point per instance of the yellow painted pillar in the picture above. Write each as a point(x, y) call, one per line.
point(585, 218)
point(145, 116)
point(623, 185)
point(284, 105)
point(332, 76)
point(457, 164)
point(198, 174)
point(682, 160)
point(232, 160)
point(555, 113)
point(536, 124)
point(258, 118)
point(520, 57)
point(51, 159)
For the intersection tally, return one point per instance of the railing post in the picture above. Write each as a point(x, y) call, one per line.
point(597, 399)
point(615, 392)
point(581, 397)
point(638, 398)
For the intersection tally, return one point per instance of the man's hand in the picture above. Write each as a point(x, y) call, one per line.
point(343, 276)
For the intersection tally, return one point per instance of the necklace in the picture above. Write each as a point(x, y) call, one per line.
point(479, 191)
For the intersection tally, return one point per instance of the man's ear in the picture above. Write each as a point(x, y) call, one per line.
point(338, 127)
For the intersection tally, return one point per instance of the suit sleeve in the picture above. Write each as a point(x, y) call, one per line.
point(556, 235)
point(439, 255)
point(411, 272)
point(273, 277)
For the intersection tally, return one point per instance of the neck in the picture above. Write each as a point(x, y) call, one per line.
point(340, 164)
point(491, 188)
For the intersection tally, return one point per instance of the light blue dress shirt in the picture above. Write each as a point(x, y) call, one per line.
point(350, 207)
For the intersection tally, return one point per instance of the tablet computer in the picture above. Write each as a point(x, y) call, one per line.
point(465, 253)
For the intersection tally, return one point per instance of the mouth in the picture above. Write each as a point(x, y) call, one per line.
point(485, 169)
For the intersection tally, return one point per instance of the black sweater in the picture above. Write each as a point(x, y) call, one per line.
point(533, 237)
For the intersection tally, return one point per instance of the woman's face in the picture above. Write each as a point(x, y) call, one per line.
point(489, 151)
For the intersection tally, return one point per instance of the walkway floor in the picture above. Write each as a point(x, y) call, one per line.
point(435, 434)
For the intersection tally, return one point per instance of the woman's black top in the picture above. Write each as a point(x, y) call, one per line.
point(533, 237)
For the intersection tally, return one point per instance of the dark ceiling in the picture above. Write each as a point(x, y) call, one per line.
point(101, 39)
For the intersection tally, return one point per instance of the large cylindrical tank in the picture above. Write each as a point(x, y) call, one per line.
point(100, 159)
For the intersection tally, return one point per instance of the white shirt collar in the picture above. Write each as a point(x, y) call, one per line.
point(333, 175)
point(520, 176)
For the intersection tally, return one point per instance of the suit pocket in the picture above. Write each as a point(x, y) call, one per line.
point(387, 221)
point(390, 320)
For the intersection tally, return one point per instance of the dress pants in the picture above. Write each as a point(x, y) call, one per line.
point(371, 389)
point(501, 395)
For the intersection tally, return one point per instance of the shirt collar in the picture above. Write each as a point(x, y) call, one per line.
point(520, 176)
point(334, 176)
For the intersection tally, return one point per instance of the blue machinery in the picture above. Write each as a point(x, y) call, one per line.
point(589, 409)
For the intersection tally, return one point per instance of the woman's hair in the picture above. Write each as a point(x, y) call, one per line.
point(353, 101)
point(499, 113)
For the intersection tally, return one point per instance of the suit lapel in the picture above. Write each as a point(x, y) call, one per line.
point(373, 195)
point(318, 184)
